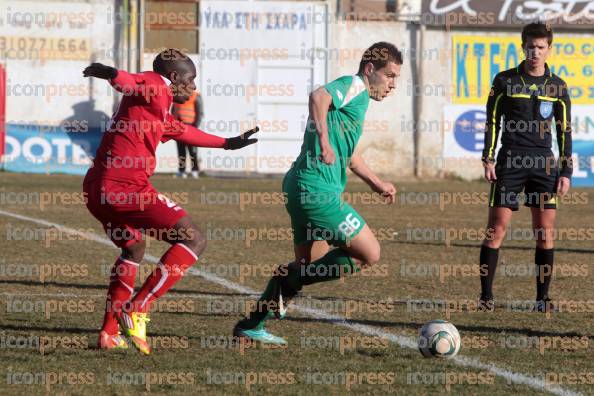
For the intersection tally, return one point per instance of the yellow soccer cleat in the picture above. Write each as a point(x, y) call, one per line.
point(133, 325)
point(111, 341)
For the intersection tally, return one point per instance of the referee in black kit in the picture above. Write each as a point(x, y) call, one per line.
point(521, 107)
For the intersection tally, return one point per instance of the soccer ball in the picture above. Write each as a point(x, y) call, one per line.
point(439, 338)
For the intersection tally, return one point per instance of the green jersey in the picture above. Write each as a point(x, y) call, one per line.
point(350, 100)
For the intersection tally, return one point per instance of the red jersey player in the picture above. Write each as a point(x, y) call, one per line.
point(120, 195)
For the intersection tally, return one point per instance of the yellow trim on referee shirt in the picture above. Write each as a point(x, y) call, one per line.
point(515, 96)
point(493, 126)
point(564, 126)
point(547, 98)
point(524, 96)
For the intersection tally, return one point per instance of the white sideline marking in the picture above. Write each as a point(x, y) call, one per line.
point(402, 341)
point(205, 296)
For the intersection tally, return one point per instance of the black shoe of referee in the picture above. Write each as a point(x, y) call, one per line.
point(486, 304)
point(545, 305)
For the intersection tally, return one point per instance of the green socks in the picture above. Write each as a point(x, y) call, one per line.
point(332, 266)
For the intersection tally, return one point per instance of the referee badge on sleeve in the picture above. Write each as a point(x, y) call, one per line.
point(546, 109)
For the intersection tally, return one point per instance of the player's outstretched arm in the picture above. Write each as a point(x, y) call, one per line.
point(198, 138)
point(360, 168)
point(319, 103)
point(122, 81)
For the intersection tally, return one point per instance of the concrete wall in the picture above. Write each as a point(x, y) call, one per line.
point(435, 89)
point(386, 144)
point(47, 89)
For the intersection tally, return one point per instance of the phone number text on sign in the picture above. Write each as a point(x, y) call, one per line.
point(42, 48)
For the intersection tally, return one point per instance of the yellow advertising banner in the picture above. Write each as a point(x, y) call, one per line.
point(477, 59)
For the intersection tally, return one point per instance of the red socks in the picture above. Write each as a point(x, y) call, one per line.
point(120, 290)
point(172, 267)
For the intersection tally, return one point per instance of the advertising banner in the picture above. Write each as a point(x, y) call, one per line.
point(464, 131)
point(47, 149)
point(477, 59)
point(562, 14)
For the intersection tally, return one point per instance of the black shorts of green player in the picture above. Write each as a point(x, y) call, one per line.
point(525, 110)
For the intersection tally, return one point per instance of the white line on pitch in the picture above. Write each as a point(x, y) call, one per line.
point(406, 342)
point(204, 296)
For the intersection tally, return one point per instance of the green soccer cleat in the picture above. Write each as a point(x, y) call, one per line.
point(258, 334)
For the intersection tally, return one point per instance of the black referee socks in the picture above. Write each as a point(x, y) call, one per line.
point(543, 260)
point(488, 265)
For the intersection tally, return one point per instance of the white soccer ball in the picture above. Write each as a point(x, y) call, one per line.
point(439, 338)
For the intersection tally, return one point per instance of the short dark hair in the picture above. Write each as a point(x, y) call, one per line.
point(379, 54)
point(537, 30)
point(170, 60)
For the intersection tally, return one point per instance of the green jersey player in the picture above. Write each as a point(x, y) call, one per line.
point(314, 186)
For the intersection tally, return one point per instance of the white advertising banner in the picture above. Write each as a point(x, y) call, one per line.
point(44, 47)
point(258, 67)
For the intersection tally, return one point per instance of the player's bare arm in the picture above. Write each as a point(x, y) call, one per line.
point(319, 103)
point(360, 168)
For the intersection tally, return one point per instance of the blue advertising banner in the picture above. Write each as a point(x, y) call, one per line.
point(49, 149)
point(583, 167)
point(464, 132)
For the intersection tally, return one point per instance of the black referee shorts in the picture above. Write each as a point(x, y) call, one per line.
point(525, 174)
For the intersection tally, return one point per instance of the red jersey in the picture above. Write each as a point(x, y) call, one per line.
point(143, 119)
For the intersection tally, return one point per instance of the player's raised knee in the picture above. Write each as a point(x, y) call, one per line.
point(196, 241)
point(375, 256)
point(134, 252)
point(372, 256)
point(189, 234)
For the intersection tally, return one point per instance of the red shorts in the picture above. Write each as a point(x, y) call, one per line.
point(127, 211)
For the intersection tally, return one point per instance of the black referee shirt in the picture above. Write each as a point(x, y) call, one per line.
point(522, 108)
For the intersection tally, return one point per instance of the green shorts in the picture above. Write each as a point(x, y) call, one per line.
point(320, 216)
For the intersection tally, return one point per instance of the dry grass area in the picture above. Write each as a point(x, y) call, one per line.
point(54, 284)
